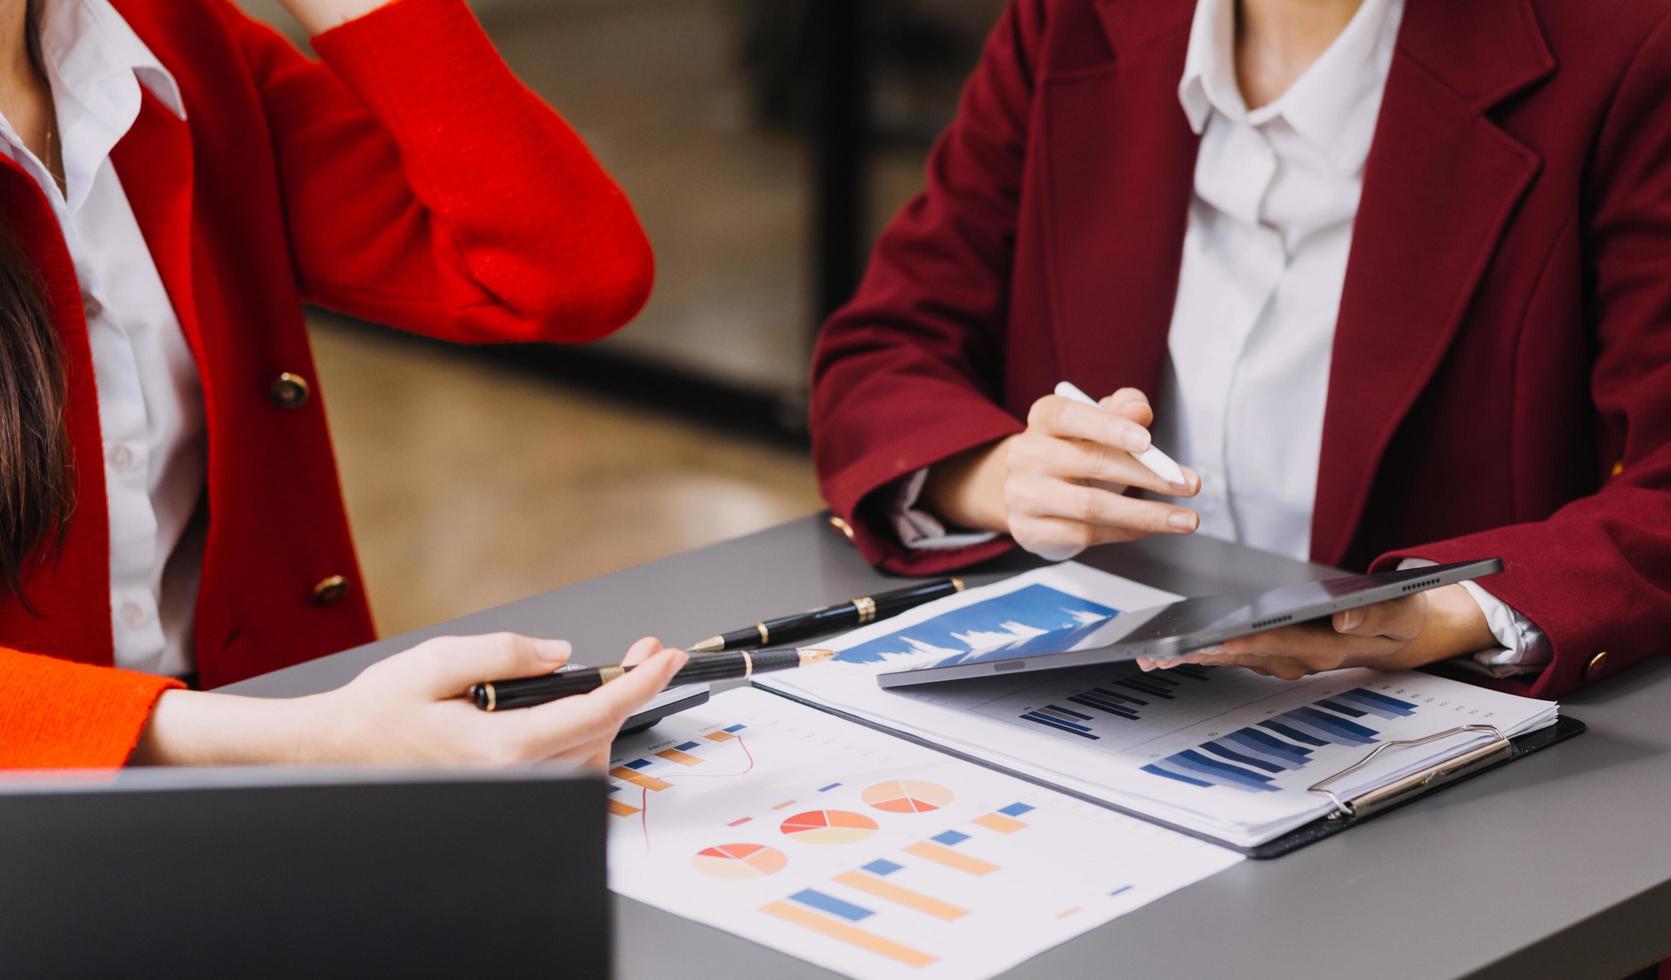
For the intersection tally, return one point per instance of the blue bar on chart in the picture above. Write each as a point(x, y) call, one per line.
point(1136, 692)
point(1250, 758)
point(826, 789)
point(1015, 809)
point(1380, 705)
point(812, 898)
point(950, 837)
point(883, 867)
point(1062, 720)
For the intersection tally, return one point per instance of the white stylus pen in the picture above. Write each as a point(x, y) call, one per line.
point(1152, 458)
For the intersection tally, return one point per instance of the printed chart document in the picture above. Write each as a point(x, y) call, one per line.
point(865, 853)
point(1223, 753)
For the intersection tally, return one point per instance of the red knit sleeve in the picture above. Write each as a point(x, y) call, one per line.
point(427, 188)
point(55, 714)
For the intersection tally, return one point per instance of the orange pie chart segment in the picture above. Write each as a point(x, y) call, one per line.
point(740, 861)
point(829, 827)
point(908, 796)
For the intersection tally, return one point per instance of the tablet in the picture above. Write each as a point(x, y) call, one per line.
point(1177, 628)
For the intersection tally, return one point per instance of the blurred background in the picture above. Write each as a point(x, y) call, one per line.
point(764, 144)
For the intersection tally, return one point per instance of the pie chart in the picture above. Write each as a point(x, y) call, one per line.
point(740, 861)
point(907, 796)
point(829, 827)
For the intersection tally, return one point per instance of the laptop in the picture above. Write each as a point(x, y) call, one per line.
point(279, 872)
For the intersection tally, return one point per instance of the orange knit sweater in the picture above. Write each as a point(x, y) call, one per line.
point(60, 715)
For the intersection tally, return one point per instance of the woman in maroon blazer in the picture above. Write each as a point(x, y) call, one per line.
point(1423, 247)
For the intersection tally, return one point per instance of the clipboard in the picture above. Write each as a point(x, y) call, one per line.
point(1350, 812)
point(1347, 813)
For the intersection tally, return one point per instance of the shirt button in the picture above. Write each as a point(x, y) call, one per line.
point(133, 616)
point(121, 457)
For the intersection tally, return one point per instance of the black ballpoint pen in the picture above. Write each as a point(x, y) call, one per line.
point(854, 612)
point(527, 692)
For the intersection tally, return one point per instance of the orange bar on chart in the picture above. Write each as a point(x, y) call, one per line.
point(929, 851)
point(637, 778)
point(1000, 823)
point(851, 935)
point(682, 758)
point(619, 809)
point(719, 736)
point(901, 896)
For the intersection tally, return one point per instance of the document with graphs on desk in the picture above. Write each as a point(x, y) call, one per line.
point(866, 854)
point(1222, 753)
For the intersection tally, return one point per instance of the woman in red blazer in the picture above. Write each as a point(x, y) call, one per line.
point(1498, 381)
point(408, 178)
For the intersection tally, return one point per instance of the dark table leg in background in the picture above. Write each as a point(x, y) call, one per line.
point(841, 139)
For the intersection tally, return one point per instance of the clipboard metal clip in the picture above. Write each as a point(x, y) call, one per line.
point(1499, 749)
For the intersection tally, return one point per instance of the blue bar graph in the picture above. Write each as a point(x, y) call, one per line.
point(1378, 704)
point(1060, 724)
point(687, 746)
point(950, 837)
point(1121, 698)
point(826, 789)
point(1015, 809)
point(1249, 759)
point(812, 898)
point(734, 729)
point(882, 866)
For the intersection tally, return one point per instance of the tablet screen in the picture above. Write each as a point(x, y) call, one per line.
point(1188, 624)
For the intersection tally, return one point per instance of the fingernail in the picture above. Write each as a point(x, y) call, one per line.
point(1350, 620)
point(552, 651)
point(1183, 520)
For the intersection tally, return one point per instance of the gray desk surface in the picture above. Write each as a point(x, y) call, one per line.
point(1556, 866)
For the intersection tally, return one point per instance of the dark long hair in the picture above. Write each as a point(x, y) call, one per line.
point(37, 490)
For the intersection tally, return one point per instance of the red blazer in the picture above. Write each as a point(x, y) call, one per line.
point(408, 179)
point(1501, 383)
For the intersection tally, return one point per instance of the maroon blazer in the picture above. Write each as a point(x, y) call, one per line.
point(1501, 382)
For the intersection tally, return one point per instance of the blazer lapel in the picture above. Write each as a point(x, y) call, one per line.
point(1118, 172)
point(155, 162)
point(1440, 185)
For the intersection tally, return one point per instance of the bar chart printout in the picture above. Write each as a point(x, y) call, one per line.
point(1250, 758)
point(897, 861)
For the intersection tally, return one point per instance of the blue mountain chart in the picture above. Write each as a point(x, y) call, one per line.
point(1004, 620)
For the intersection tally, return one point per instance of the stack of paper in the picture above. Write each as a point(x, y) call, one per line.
point(1224, 753)
point(865, 853)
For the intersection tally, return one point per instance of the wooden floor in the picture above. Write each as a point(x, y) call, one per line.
point(470, 485)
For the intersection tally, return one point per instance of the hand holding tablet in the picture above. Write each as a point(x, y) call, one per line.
point(1187, 629)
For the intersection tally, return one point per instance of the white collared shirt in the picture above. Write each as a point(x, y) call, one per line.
point(150, 398)
point(1264, 263)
